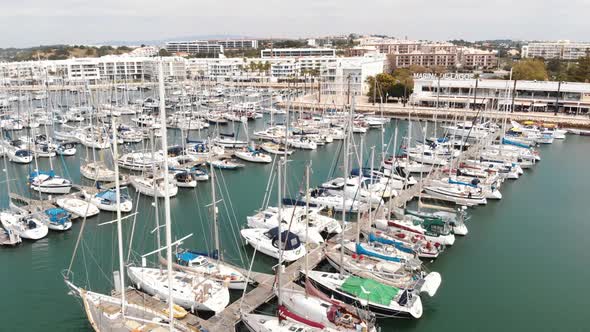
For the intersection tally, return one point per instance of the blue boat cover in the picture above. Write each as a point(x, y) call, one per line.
point(362, 251)
point(451, 181)
point(58, 215)
point(510, 142)
point(37, 173)
point(398, 245)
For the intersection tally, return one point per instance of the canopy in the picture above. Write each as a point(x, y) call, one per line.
point(108, 195)
point(58, 215)
point(369, 290)
point(289, 240)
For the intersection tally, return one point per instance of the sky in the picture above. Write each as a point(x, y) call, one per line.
point(43, 22)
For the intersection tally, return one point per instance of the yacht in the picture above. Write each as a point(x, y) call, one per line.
point(267, 242)
point(189, 291)
point(49, 183)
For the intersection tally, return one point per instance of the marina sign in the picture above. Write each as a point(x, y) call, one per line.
point(445, 76)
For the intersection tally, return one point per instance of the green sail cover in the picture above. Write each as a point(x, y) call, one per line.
point(369, 290)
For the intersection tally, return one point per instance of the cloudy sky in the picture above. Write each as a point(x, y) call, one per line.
point(36, 22)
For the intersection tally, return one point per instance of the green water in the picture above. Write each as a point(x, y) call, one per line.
point(523, 265)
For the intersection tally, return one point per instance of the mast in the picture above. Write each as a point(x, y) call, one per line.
point(371, 182)
point(6, 171)
point(347, 130)
point(119, 225)
point(307, 167)
point(166, 195)
point(280, 240)
point(157, 211)
point(215, 226)
point(358, 191)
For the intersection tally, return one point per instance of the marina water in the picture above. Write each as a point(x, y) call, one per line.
point(523, 265)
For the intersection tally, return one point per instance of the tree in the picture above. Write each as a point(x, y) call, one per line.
point(581, 71)
point(530, 69)
point(164, 52)
point(397, 85)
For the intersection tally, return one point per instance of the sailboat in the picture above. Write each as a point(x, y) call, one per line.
point(210, 264)
point(107, 200)
point(23, 225)
point(116, 313)
point(252, 155)
point(383, 300)
point(9, 238)
point(49, 183)
point(97, 171)
point(17, 223)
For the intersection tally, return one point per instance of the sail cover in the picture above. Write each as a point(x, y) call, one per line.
point(369, 290)
point(362, 251)
point(284, 313)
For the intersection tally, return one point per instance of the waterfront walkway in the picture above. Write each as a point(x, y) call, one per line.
point(362, 105)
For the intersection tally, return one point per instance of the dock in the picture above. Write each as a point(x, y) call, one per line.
point(261, 290)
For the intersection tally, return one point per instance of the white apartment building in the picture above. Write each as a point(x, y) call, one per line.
point(95, 69)
point(236, 44)
point(285, 69)
point(497, 94)
point(223, 67)
point(350, 74)
point(195, 47)
point(144, 51)
point(297, 52)
point(561, 49)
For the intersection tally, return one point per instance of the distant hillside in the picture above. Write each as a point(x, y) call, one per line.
point(160, 42)
point(59, 52)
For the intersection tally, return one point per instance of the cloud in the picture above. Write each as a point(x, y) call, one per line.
point(33, 22)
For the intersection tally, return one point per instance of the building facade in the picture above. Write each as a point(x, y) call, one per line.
point(348, 76)
point(471, 58)
point(202, 47)
point(297, 52)
point(424, 59)
point(502, 95)
point(236, 44)
point(562, 49)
